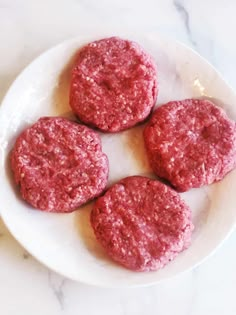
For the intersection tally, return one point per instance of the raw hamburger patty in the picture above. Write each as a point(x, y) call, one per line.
point(191, 143)
point(59, 165)
point(113, 84)
point(142, 223)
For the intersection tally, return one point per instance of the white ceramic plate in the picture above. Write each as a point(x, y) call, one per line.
point(65, 242)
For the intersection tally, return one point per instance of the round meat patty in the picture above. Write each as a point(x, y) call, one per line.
point(113, 84)
point(142, 223)
point(191, 143)
point(59, 165)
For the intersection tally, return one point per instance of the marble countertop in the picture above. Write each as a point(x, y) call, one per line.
point(30, 27)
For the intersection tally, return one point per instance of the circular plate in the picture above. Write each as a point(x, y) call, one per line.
point(65, 242)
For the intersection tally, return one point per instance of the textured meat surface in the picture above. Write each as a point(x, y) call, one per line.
point(142, 223)
point(113, 84)
point(191, 143)
point(59, 165)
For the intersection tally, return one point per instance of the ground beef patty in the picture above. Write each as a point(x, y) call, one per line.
point(142, 223)
point(59, 165)
point(113, 85)
point(191, 143)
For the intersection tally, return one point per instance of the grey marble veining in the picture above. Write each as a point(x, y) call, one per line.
point(57, 286)
point(30, 27)
point(184, 14)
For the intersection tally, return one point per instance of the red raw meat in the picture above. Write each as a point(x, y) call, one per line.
point(191, 143)
point(113, 84)
point(59, 165)
point(142, 223)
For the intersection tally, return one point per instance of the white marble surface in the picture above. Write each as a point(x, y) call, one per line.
point(29, 27)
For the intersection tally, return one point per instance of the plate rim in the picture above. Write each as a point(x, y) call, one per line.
point(2, 213)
